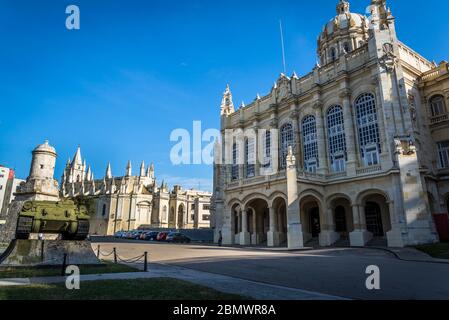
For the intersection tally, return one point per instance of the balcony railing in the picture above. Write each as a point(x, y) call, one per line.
point(368, 170)
point(438, 119)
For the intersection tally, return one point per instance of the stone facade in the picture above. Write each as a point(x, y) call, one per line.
point(359, 149)
point(132, 201)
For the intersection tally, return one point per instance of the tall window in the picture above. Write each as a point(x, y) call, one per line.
point(443, 153)
point(267, 150)
point(235, 165)
point(287, 140)
point(250, 158)
point(346, 47)
point(368, 129)
point(336, 137)
point(437, 106)
point(103, 211)
point(333, 54)
point(310, 144)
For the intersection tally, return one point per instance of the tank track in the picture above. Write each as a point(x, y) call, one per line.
point(24, 227)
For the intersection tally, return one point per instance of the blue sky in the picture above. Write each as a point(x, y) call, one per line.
point(136, 70)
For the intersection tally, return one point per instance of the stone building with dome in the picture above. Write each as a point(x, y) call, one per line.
point(354, 153)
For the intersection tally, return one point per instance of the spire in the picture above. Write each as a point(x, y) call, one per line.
point(129, 169)
point(77, 158)
point(88, 174)
point(109, 172)
point(142, 169)
point(227, 106)
point(150, 171)
point(342, 7)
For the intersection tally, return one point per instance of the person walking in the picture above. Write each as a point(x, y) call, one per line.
point(220, 238)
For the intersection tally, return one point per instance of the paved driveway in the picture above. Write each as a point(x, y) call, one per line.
point(339, 272)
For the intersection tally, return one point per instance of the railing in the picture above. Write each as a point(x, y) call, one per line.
point(438, 119)
point(254, 180)
point(233, 184)
point(368, 170)
point(337, 175)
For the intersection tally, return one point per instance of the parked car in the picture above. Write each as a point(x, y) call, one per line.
point(176, 237)
point(162, 236)
point(149, 236)
point(136, 234)
point(119, 234)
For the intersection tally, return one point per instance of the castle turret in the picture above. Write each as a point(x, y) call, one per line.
point(40, 184)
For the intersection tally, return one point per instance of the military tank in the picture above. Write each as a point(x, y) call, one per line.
point(69, 218)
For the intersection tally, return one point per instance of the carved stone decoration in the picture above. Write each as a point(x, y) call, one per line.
point(388, 60)
point(405, 145)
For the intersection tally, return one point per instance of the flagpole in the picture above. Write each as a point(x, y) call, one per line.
point(283, 48)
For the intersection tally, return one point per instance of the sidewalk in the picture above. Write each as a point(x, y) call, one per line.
point(254, 290)
point(405, 254)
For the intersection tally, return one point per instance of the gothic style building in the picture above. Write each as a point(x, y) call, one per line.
point(133, 201)
point(121, 203)
point(358, 148)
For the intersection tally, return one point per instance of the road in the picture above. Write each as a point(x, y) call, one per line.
point(336, 271)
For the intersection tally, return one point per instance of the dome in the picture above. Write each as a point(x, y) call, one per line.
point(45, 147)
point(343, 21)
point(344, 33)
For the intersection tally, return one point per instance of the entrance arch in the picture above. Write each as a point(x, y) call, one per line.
point(311, 219)
point(257, 214)
point(279, 224)
point(341, 218)
point(376, 215)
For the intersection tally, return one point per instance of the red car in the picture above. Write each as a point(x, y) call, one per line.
point(162, 236)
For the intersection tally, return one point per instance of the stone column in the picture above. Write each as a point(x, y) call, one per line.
point(297, 129)
point(295, 238)
point(328, 236)
point(394, 236)
point(273, 234)
point(244, 235)
point(321, 139)
point(360, 236)
point(350, 130)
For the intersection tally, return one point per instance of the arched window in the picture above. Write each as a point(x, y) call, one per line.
point(336, 137)
point(250, 157)
point(437, 106)
point(287, 140)
point(235, 165)
point(267, 150)
point(346, 47)
point(368, 129)
point(310, 144)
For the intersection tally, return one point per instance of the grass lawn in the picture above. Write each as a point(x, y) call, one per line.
point(140, 289)
point(56, 271)
point(438, 250)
